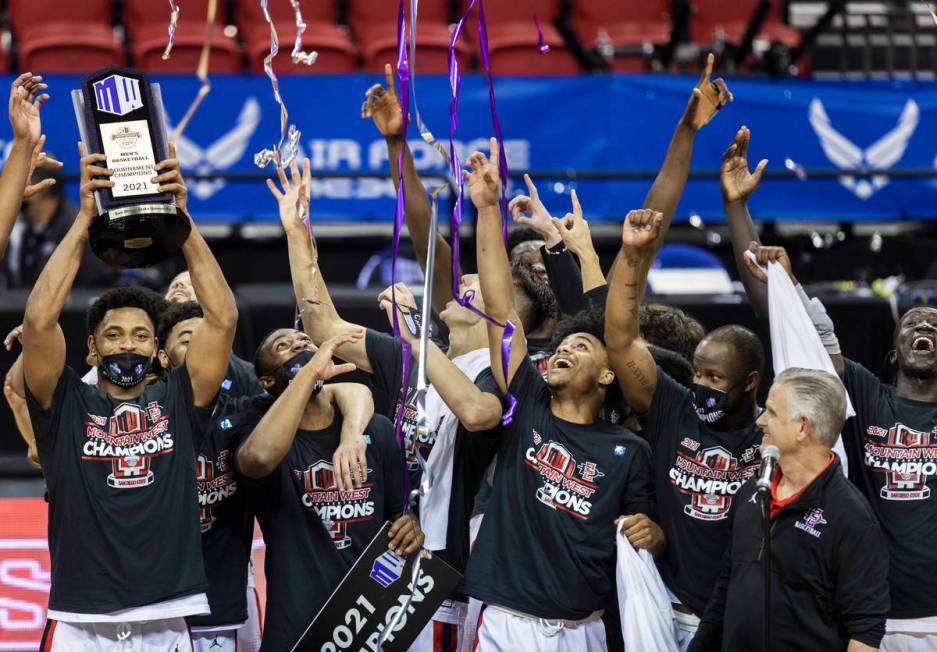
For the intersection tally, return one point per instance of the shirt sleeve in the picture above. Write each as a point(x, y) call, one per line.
point(179, 390)
point(45, 423)
point(597, 296)
point(663, 418)
point(385, 355)
point(483, 445)
point(392, 464)
point(565, 279)
point(638, 497)
point(528, 383)
point(861, 596)
point(260, 492)
point(864, 390)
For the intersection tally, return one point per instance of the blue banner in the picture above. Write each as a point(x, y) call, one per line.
point(586, 123)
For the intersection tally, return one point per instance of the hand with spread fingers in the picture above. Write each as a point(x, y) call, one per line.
point(484, 180)
point(764, 255)
point(169, 179)
point(383, 106)
point(643, 533)
point(406, 536)
point(293, 199)
point(322, 364)
point(574, 230)
point(736, 182)
point(26, 98)
point(641, 230)
point(529, 211)
point(707, 98)
point(40, 159)
point(350, 463)
point(405, 301)
point(91, 166)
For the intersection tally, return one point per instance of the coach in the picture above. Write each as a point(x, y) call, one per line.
point(829, 587)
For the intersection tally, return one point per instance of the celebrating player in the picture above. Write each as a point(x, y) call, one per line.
point(119, 457)
point(547, 542)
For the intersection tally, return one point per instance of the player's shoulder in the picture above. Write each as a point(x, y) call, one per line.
point(381, 430)
point(619, 441)
point(844, 497)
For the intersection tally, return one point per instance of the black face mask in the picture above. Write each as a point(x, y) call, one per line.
point(285, 373)
point(125, 369)
point(711, 404)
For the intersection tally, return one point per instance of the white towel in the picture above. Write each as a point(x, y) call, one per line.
point(647, 620)
point(794, 339)
point(434, 506)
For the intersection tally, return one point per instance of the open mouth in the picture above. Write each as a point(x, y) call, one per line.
point(922, 344)
point(562, 363)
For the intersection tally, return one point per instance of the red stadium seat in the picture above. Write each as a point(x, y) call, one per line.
point(140, 14)
point(150, 41)
point(379, 46)
point(364, 15)
point(248, 13)
point(520, 11)
point(709, 18)
point(336, 51)
point(624, 24)
point(65, 47)
point(28, 14)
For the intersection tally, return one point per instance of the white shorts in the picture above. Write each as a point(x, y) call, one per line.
point(222, 641)
point(145, 636)
point(687, 624)
point(444, 632)
point(251, 633)
point(502, 631)
point(910, 635)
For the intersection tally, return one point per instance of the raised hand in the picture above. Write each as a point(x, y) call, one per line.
point(383, 106)
point(322, 364)
point(39, 160)
point(169, 178)
point(26, 98)
point(736, 182)
point(13, 336)
point(707, 98)
point(293, 200)
point(641, 230)
point(483, 180)
point(529, 211)
point(760, 258)
point(350, 463)
point(574, 229)
point(405, 299)
point(89, 183)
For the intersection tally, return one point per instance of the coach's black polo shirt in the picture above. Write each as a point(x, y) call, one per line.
point(829, 568)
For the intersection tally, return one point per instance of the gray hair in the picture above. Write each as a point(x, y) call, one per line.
point(818, 396)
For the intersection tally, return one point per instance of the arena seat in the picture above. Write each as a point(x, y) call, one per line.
point(625, 25)
point(138, 14)
point(364, 15)
point(26, 15)
point(149, 41)
point(65, 47)
point(379, 46)
point(247, 13)
point(332, 42)
point(709, 18)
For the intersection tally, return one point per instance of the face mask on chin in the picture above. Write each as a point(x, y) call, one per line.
point(711, 404)
point(125, 369)
point(286, 372)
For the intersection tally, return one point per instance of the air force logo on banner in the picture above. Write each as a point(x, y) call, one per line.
point(220, 155)
point(880, 155)
point(118, 95)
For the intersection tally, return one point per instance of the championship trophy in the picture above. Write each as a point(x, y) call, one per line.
point(120, 115)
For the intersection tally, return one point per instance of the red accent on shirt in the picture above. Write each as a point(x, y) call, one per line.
point(777, 504)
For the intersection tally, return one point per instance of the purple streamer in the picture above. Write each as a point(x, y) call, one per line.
point(543, 47)
point(403, 77)
point(455, 82)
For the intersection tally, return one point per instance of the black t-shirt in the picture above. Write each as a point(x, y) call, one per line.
point(314, 533)
point(227, 523)
point(123, 509)
point(240, 379)
point(892, 448)
point(697, 472)
point(547, 542)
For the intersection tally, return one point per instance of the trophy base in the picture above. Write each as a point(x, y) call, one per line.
point(138, 236)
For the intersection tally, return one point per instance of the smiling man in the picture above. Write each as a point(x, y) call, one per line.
point(542, 560)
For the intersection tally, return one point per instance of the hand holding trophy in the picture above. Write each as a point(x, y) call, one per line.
point(120, 115)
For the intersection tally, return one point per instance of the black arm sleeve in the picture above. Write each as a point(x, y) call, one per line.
point(597, 296)
point(862, 585)
point(565, 279)
point(392, 464)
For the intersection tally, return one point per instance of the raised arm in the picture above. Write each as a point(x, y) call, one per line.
point(737, 185)
point(628, 355)
point(383, 106)
point(320, 319)
point(42, 338)
point(707, 98)
point(26, 97)
point(349, 461)
point(17, 404)
point(212, 341)
point(494, 270)
point(574, 230)
point(269, 442)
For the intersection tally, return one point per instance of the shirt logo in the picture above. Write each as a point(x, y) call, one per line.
point(711, 478)
point(619, 451)
point(336, 508)
point(811, 521)
point(561, 488)
point(128, 439)
point(417, 441)
point(907, 457)
point(693, 445)
point(215, 482)
point(226, 384)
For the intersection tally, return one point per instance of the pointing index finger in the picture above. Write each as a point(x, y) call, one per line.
point(389, 77)
point(707, 69)
point(577, 209)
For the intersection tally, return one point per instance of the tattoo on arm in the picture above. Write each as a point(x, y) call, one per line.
point(643, 380)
